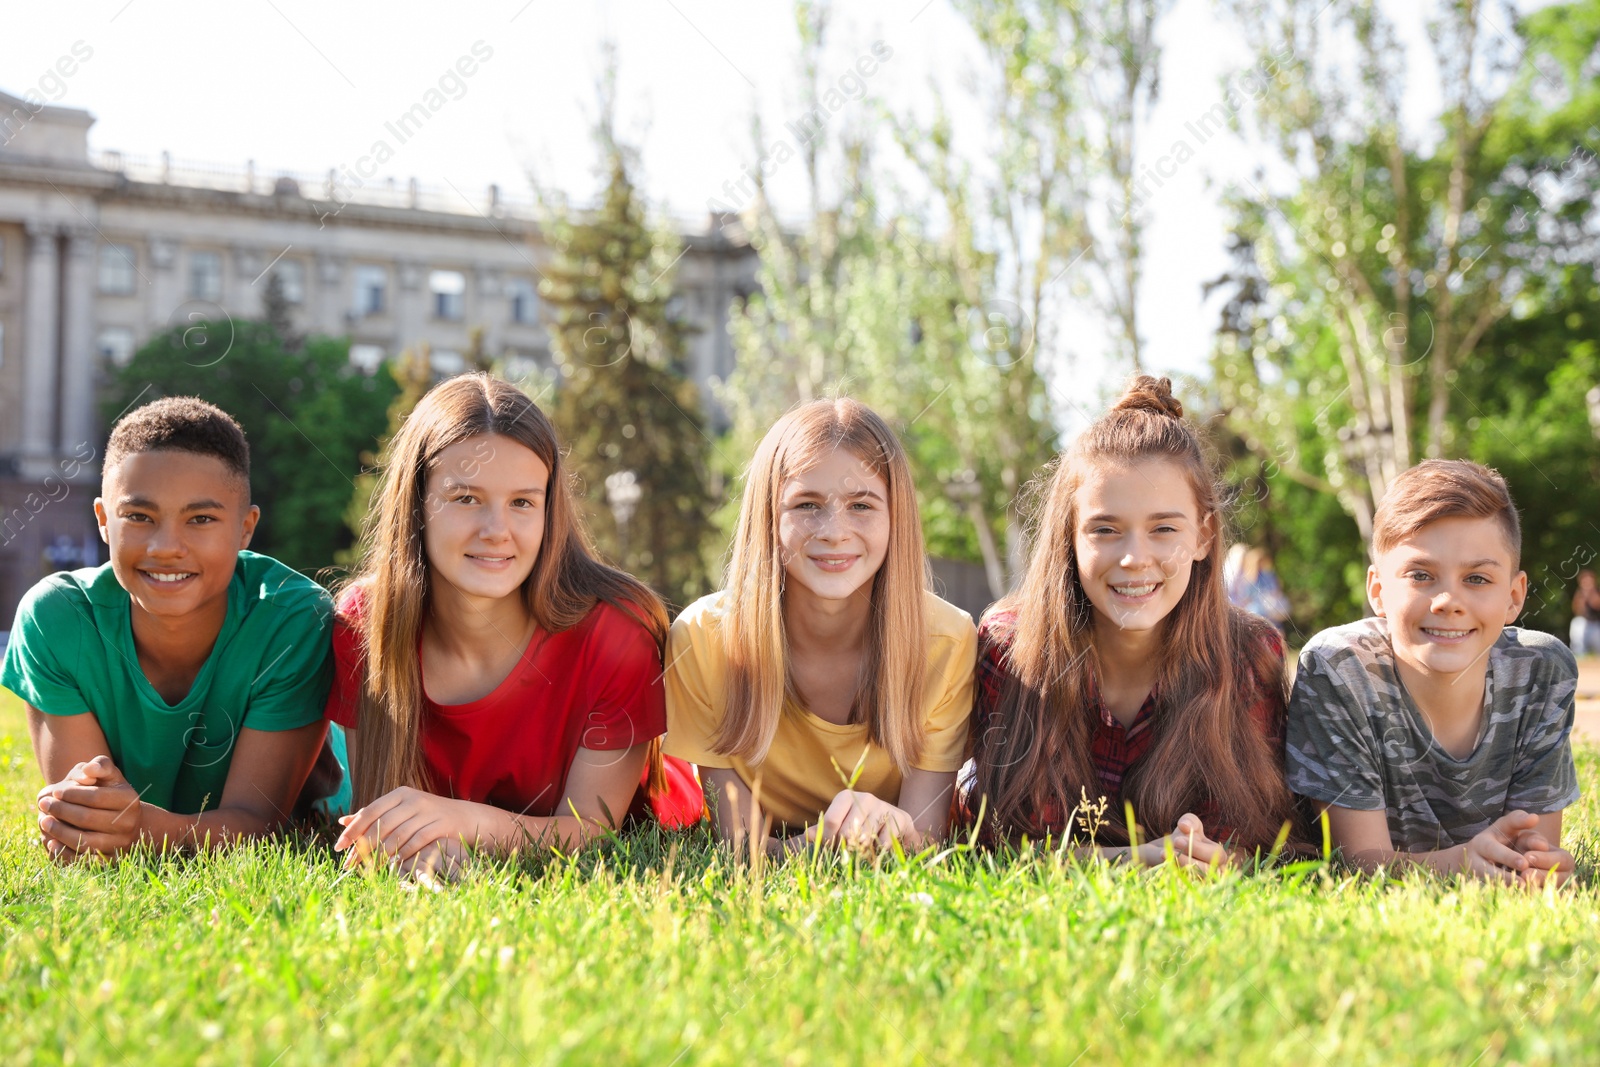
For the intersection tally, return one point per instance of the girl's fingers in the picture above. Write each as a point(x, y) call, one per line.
point(363, 821)
point(415, 839)
point(398, 827)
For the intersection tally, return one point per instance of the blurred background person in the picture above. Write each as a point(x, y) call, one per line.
point(1253, 584)
point(1585, 636)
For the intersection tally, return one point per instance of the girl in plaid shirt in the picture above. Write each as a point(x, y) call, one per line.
point(1117, 676)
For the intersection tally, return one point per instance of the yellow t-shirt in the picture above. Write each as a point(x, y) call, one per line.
point(811, 759)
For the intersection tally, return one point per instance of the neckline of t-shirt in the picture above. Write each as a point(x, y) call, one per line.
point(478, 706)
point(818, 722)
point(201, 686)
point(1420, 722)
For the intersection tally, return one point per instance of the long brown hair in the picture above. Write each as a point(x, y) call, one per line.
point(1204, 748)
point(566, 582)
point(889, 694)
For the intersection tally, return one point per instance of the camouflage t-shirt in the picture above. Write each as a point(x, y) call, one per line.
point(1357, 740)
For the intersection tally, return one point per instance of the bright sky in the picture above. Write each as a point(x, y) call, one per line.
point(305, 85)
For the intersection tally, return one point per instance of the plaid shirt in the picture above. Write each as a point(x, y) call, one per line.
point(1114, 748)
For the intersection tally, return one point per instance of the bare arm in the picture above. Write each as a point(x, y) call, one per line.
point(852, 818)
point(406, 821)
point(89, 806)
point(61, 742)
point(1500, 853)
point(736, 810)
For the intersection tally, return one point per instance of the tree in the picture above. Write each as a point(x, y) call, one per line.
point(308, 415)
point(1412, 297)
point(870, 300)
point(1388, 243)
point(1070, 82)
point(624, 405)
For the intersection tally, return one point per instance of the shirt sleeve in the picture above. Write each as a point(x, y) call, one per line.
point(1330, 755)
point(44, 643)
point(627, 704)
point(694, 684)
point(950, 706)
point(292, 689)
point(1544, 779)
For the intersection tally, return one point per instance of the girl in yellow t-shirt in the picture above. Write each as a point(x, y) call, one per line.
point(825, 691)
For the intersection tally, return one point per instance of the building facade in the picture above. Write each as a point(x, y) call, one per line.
point(100, 252)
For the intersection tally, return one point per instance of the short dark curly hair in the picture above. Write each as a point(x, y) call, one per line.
point(183, 424)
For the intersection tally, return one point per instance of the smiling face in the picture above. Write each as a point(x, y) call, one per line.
point(833, 527)
point(1447, 591)
point(175, 522)
point(1138, 535)
point(484, 516)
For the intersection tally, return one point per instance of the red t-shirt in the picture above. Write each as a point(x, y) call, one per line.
point(597, 685)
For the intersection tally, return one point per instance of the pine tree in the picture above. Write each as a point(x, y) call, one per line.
point(625, 407)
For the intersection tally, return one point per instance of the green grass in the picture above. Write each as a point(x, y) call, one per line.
point(655, 951)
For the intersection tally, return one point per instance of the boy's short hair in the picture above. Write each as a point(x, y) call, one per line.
point(1445, 489)
point(182, 424)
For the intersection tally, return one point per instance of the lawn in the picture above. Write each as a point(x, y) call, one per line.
point(657, 951)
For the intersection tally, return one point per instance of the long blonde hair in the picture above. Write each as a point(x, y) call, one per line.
point(566, 582)
point(889, 693)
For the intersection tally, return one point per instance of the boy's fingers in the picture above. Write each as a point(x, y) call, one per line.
point(97, 796)
point(1513, 822)
point(80, 840)
point(1502, 855)
point(1531, 841)
point(102, 820)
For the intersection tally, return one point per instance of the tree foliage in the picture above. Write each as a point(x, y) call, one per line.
point(307, 412)
point(625, 408)
point(871, 300)
point(1415, 295)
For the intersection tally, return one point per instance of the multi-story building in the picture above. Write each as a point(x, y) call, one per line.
point(98, 252)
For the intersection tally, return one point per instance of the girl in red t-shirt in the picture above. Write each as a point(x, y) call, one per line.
point(499, 685)
point(1117, 673)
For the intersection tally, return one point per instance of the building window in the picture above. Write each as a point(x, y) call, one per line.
point(449, 288)
point(292, 275)
point(205, 276)
point(116, 269)
point(2, 255)
point(115, 345)
point(368, 357)
point(372, 286)
point(524, 301)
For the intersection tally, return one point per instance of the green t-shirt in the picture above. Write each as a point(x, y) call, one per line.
point(71, 652)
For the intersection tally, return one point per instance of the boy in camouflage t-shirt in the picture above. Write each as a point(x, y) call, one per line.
point(1435, 734)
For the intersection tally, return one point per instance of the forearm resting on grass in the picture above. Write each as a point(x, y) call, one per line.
point(1188, 846)
point(853, 819)
point(88, 807)
point(1518, 847)
point(405, 822)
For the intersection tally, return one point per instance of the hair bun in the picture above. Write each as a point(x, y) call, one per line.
point(1152, 394)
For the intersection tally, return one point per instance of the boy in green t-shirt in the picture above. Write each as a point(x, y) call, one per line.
point(175, 694)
